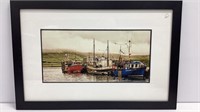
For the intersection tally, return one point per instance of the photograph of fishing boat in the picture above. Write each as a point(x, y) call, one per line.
point(108, 56)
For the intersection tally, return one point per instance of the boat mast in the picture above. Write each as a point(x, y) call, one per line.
point(107, 52)
point(120, 57)
point(129, 48)
point(93, 52)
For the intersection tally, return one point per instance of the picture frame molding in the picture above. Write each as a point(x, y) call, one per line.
point(17, 5)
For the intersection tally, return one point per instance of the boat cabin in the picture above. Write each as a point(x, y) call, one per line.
point(134, 65)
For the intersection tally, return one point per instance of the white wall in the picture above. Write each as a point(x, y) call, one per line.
point(189, 73)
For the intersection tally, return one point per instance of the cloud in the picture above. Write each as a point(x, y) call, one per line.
point(83, 40)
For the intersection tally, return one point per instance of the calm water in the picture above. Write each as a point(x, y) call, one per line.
point(54, 74)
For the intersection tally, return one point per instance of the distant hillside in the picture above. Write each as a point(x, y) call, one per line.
point(54, 57)
point(78, 52)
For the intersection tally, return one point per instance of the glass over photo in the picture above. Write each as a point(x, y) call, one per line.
point(101, 56)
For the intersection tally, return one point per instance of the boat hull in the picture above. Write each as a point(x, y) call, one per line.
point(75, 68)
point(99, 71)
point(131, 72)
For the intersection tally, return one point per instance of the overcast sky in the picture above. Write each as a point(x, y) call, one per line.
point(82, 41)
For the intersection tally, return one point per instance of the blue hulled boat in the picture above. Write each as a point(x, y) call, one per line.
point(134, 68)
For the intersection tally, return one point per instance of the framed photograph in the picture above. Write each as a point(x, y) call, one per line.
point(96, 54)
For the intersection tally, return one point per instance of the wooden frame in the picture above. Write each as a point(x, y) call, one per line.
point(16, 5)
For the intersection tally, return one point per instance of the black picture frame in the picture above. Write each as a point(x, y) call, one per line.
point(16, 5)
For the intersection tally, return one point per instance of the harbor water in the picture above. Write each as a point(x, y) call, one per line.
point(54, 74)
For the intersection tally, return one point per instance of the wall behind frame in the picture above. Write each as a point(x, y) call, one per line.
point(189, 73)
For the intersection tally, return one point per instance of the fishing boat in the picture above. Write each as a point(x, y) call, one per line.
point(129, 68)
point(100, 65)
point(72, 67)
point(134, 68)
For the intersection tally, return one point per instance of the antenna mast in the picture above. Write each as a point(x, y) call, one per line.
point(107, 52)
point(129, 48)
point(93, 52)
